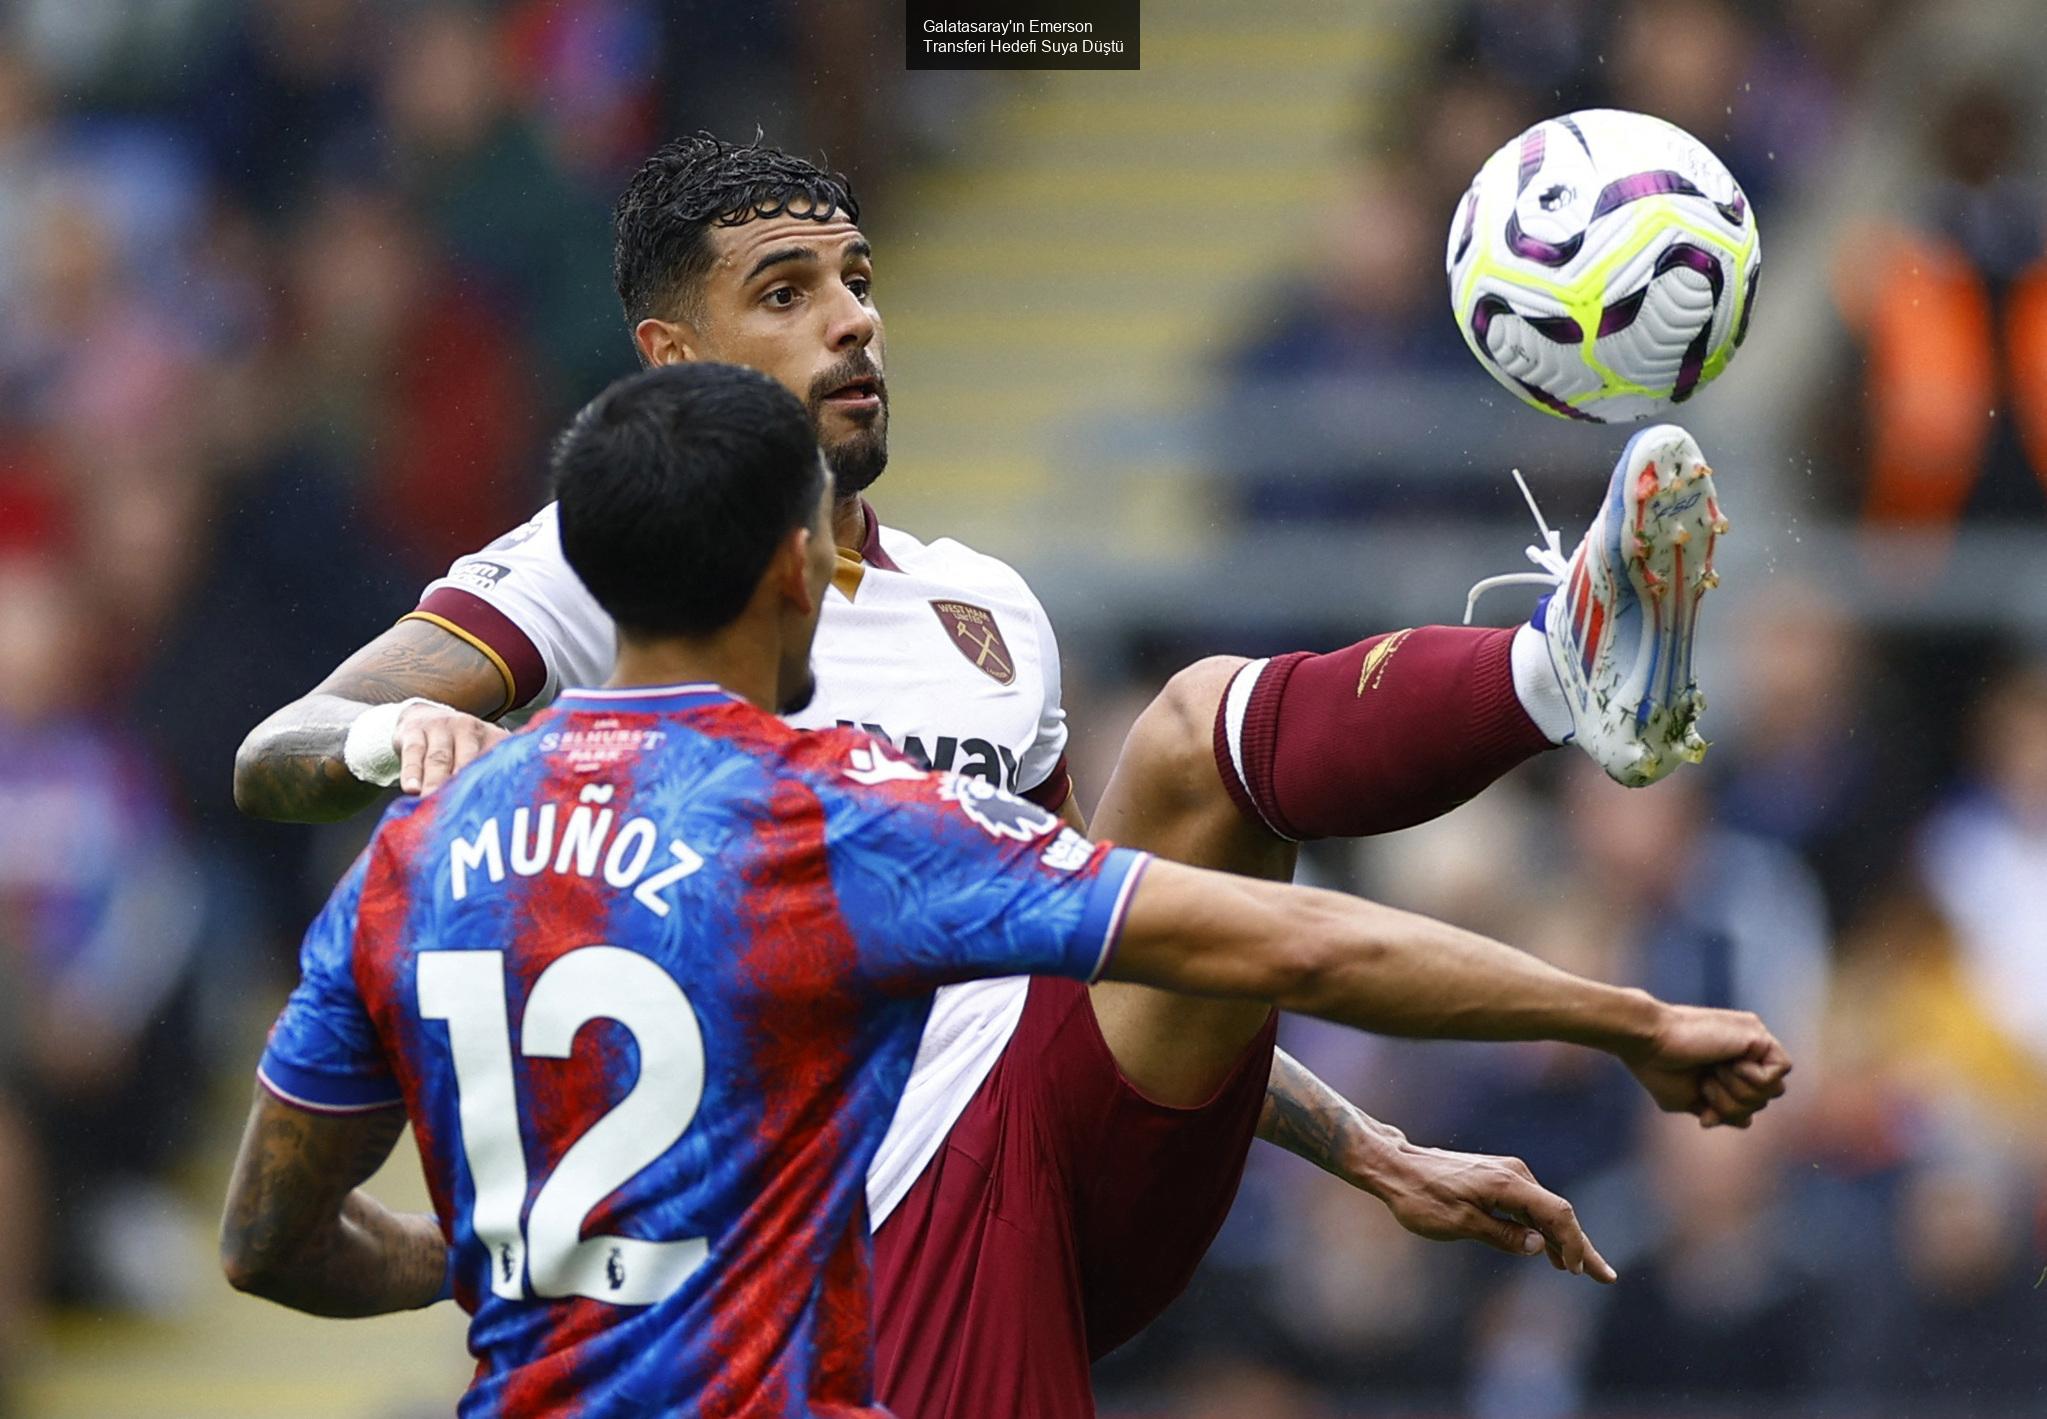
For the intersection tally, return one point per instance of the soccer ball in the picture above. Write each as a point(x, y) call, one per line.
point(1603, 266)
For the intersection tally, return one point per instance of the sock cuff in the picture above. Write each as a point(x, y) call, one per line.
point(1536, 689)
point(1247, 737)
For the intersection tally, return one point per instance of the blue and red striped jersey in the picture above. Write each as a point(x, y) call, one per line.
point(648, 980)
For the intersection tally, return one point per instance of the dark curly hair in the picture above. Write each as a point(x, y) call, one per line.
point(676, 485)
point(661, 247)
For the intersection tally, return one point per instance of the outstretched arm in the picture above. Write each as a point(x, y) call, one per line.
point(299, 1232)
point(291, 767)
point(1433, 1192)
point(1375, 968)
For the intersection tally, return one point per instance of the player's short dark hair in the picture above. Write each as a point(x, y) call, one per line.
point(661, 226)
point(676, 486)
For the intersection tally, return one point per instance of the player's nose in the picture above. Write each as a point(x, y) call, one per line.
point(853, 323)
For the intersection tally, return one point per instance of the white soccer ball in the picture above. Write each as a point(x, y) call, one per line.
point(1603, 266)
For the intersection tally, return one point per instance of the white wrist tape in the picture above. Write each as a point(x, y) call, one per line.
point(370, 751)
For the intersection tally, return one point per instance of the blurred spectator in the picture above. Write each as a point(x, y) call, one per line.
point(1358, 310)
point(587, 71)
point(404, 370)
point(1241, 1390)
point(1983, 857)
point(289, 99)
point(99, 917)
point(1551, 48)
point(1969, 1333)
point(1712, 916)
point(1948, 308)
point(1727, 1299)
point(1809, 755)
point(476, 167)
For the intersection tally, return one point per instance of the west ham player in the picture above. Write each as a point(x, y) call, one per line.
point(648, 979)
point(1063, 1155)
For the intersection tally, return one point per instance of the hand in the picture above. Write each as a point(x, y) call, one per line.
point(434, 743)
point(1446, 1196)
point(1722, 1065)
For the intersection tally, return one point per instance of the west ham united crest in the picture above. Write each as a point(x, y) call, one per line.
point(976, 636)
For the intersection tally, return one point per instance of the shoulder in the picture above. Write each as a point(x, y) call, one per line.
point(532, 548)
point(947, 559)
point(973, 576)
point(519, 572)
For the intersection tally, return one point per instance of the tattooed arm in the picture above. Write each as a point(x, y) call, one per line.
point(290, 768)
point(1434, 1193)
point(298, 1231)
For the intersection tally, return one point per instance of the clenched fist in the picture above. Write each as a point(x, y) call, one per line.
point(1722, 1065)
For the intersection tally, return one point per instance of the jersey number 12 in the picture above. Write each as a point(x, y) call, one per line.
point(467, 989)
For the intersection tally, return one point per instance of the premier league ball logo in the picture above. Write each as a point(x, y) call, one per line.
point(999, 814)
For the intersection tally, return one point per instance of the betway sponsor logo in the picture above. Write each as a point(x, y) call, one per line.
point(946, 752)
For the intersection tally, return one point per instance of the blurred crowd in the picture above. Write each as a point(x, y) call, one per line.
point(1858, 860)
point(1873, 1246)
point(291, 292)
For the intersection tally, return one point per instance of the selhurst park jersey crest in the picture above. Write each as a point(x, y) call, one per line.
point(940, 651)
point(648, 982)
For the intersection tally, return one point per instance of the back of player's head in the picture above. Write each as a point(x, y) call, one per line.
point(661, 226)
point(677, 485)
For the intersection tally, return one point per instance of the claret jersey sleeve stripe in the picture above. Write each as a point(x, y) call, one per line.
point(519, 598)
point(649, 979)
point(507, 647)
point(1055, 790)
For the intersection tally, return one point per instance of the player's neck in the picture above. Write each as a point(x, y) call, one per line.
point(730, 661)
point(849, 523)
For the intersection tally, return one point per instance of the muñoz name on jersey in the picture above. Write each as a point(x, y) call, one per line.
point(591, 844)
point(648, 982)
point(933, 647)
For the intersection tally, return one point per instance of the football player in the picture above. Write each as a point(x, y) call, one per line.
point(648, 979)
point(1064, 1153)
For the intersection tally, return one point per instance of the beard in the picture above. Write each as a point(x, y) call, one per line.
point(798, 700)
point(859, 458)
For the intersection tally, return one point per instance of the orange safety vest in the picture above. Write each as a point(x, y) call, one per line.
point(1923, 313)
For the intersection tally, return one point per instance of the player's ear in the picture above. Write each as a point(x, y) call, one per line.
point(794, 570)
point(664, 342)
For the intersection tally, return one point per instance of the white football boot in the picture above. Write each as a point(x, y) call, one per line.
point(1619, 626)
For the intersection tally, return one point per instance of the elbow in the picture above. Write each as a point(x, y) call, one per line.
point(247, 1272)
point(253, 775)
point(272, 784)
point(1296, 978)
point(248, 798)
point(1325, 951)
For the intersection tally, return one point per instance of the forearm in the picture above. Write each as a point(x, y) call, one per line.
point(291, 767)
point(1398, 973)
point(1311, 1120)
point(299, 1230)
point(368, 1261)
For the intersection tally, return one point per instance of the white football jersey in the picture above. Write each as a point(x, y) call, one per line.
point(939, 650)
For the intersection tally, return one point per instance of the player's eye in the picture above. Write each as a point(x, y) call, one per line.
point(781, 297)
point(862, 288)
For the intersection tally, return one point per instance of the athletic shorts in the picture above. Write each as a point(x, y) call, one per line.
point(1062, 1214)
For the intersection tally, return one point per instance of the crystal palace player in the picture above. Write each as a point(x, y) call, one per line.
point(647, 1067)
point(1106, 1127)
